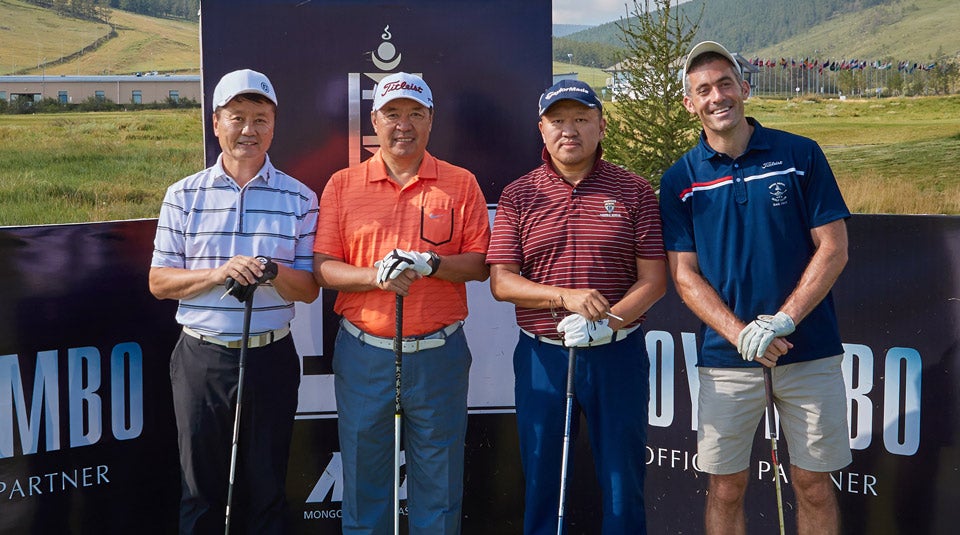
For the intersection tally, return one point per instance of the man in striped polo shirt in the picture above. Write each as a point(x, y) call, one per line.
point(576, 246)
point(754, 226)
point(402, 222)
point(213, 225)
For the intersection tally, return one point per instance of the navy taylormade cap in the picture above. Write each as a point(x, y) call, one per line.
point(569, 90)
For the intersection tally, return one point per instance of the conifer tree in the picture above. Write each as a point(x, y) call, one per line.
point(649, 129)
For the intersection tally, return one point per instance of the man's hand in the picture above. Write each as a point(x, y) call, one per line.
point(399, 260)
point(759, 333)
point(579, 331)
point(243, 292)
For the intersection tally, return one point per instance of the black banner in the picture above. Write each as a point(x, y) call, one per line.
point(88, 441)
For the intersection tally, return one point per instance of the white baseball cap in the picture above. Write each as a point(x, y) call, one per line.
point(240, 82)
point(702, 48)
point(402, 85)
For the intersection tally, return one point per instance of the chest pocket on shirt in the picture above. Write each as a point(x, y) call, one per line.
point(436, 223)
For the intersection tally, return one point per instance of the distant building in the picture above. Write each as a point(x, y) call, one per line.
point(557, 76)
point(618, 82)
point(120, 89)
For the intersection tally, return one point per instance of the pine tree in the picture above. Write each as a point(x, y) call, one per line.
point(649, 128)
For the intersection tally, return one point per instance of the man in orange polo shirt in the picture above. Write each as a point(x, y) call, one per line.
point(402, 222)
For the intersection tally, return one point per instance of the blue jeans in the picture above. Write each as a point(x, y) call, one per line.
point(612, 389)
point(434, 400)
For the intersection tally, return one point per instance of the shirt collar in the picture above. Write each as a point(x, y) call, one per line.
point(266, 172)
point(758, 141)
point(548, 164)
point(377, 170)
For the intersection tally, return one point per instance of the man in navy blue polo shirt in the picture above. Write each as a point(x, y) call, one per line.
point(754, 227)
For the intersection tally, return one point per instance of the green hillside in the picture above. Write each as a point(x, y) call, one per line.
point(896, 29)
point(913, 30)
point(35, 40)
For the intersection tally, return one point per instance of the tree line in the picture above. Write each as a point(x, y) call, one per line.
point(100, 9)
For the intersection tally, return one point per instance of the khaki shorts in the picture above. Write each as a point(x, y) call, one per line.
point(811, 399)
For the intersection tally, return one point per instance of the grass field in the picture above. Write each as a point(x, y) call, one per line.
point(895, 156)
point(889, 155)
point(77, 167)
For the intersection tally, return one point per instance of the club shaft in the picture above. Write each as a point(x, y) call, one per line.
point(571, 370)
point(771, 425)
point(398, 415)
point(244, 342)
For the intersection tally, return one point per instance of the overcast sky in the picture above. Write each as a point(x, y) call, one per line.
point(592, 12)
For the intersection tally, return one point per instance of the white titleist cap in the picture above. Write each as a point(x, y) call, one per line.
point(702, 48)
point(240, 82)
point(402, 85)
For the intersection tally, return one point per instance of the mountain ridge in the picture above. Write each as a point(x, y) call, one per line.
point(825, 28)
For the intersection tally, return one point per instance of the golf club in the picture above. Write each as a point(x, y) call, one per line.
point(398, 363)
point(571, 366)
point(771, 425)
point(247, 313)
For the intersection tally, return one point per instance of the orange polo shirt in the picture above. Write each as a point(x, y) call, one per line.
point(364, 214)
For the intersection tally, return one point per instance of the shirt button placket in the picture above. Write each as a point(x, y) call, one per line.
point(739, 185)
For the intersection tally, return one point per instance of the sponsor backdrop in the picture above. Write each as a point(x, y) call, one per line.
point(87, 437)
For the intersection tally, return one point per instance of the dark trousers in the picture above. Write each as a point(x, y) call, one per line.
point(612, 389)
point(204, 378)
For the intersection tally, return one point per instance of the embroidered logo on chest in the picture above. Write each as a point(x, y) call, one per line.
point(778, 193)
point(609, 206)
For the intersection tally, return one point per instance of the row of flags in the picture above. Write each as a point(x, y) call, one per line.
point(843, 65)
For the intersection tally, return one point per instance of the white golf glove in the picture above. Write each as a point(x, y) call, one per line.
point(398, 260)
point(580, 332)
point(759, 333)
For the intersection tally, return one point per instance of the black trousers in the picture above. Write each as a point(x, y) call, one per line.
point(204, 378)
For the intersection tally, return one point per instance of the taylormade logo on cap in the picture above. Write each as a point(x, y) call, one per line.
point(569, 90)
point(402, 85)
point(241, 82)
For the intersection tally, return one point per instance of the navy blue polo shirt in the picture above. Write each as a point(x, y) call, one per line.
point(749, 221)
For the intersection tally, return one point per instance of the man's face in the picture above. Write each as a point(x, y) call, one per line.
point(572, 131)
point(716, 97)
point(403, 127)
point(245, 129)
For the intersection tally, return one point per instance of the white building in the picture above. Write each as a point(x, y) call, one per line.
point(119, 89)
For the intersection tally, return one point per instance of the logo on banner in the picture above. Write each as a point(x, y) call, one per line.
point(386, 57)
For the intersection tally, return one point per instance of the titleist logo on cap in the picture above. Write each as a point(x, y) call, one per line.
point(400, 86)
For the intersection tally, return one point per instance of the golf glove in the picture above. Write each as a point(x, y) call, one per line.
point(578, 331)
point(398, 260)
point(244, 292)
point(759, 333)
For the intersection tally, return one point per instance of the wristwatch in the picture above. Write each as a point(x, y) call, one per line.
point(435, 258)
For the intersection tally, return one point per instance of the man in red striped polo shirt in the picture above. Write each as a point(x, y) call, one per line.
point(576, 246)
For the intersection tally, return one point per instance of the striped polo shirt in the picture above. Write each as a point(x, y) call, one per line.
point(588, 236)
point(749, 221)
point(365, 214)
point(206, 219)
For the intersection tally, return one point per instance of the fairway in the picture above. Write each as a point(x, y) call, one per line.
point(78, 167)
point(896, 156)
